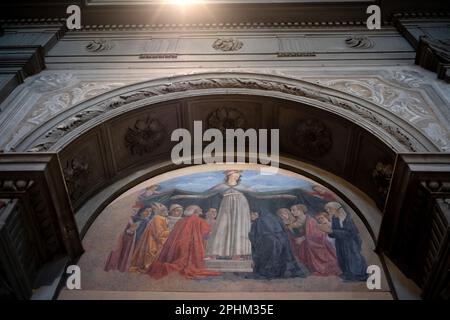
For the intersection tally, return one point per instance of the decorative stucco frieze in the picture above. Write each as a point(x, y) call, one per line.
point(68, 125)
point(407, 78)
point(52, 81)
point(408, 104)
point(33, 107)
point(50, 106)
point(46, 96)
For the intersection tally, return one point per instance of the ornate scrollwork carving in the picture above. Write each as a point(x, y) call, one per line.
point(41, 147)
point(145, 136)
point(313, 137)
point(226, 118)
point(227, 44)
point(65, 127)
point(359, 42)
point(381, 175)
point(99, 45)
point(52, 82)
point(215, 83)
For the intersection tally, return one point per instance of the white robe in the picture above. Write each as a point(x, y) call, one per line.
point(230, 234)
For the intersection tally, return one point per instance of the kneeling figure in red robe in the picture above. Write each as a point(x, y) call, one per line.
point(184, 249)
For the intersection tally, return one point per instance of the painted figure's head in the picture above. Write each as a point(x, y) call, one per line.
point(160, 209)
point(146, 212)
point(254, 216)
point(191, 210)
point(322, 217)
point(176, 210)
point(233, 177)
point(285, 215)
point(212, 213)
point(334, 208)
point(299, 210)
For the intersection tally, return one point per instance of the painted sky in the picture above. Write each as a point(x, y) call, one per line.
point(202, 181)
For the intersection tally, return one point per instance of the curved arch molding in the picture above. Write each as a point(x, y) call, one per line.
point(394, 131)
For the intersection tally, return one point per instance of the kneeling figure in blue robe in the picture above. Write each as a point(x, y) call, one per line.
point(271, 251)
point(348, 244)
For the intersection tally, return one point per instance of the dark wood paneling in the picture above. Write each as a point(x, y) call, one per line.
point(412, 207)
point(39, 227)
point(327, 136)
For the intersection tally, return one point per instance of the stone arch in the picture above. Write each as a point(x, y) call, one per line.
point(398, 134)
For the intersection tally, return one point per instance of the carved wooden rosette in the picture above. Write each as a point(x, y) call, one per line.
point(226, 118)
point(145, 136)
point(312, 137)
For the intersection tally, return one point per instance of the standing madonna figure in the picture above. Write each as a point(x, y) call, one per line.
point(229, 237)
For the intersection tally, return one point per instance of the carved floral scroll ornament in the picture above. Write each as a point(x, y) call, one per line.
point(99, 45)
point(53, 81)
point(227, 44)
point(407, 104)
point(359, 42)
point(49, 106)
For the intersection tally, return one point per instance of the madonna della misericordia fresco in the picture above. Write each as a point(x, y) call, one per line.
point(232, 229)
